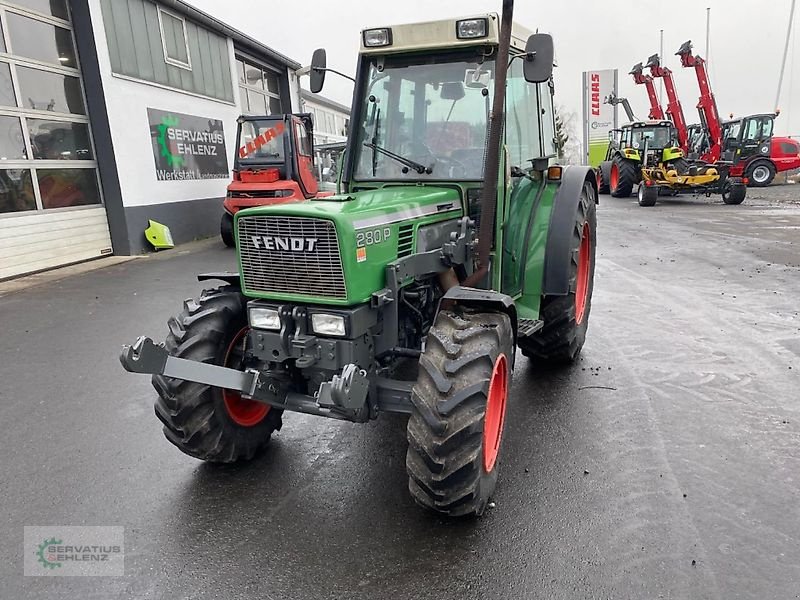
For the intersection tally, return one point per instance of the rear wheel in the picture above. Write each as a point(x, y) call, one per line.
point(459, 404)
point(566, 318)
point(647, 195)
point(622, 177)
point(761, 173)
point(226, 230)
point(206, 422)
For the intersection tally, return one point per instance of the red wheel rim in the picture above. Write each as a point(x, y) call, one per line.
point(495, 413)
point(584, 269)
point(246, 413)
point(614, 177)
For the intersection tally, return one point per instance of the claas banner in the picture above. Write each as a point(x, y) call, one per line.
point(598, 118)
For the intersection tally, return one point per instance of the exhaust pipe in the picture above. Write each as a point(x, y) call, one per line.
point(491, 169)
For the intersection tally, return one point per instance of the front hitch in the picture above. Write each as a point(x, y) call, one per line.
point(144, 356)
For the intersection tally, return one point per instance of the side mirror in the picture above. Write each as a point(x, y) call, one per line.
point(319, 62)
point(452, 91)
point(539, 54)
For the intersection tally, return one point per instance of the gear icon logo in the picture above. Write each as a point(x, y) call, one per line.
point(48, 560)
point(173, 160)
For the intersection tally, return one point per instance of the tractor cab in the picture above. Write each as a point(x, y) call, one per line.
point(747, 137)
point(641, 142)
point(274, 164)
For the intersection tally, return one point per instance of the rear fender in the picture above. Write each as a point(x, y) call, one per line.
point(562, 221)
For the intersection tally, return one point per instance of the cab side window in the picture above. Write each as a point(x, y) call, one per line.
point(522, 123)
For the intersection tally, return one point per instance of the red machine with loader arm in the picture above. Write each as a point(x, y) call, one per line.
point(748, 142)
point(674, 108)
point(656, 112)
point(274, 164)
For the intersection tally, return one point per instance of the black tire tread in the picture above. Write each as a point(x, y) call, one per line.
point(560, 340)
point(445, 431)
point(193, 414)
point(627, 177)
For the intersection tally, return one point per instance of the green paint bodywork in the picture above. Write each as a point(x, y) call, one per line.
point(365, 211)
point(669, 154)
point(517, 271)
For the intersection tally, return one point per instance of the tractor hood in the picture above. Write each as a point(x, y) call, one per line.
point(334, 250)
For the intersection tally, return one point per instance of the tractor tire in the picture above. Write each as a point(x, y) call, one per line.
point(206, 422)
point(603, 177)
point(647, 196)
point(761, 173)
point(458, 414)
point(226, 230)
point(622, 178)
point(566, 318)
point(734, 194)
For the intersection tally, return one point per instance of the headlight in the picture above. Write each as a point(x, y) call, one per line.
point(265, 318)
point(471, 28)
point(328, 324)
point(377, 37)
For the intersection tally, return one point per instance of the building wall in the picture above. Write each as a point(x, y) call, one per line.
point(331, 120)
point(190, 208)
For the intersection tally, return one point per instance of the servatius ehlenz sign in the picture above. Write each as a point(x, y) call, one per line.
point(187, 147)
point(598, 118)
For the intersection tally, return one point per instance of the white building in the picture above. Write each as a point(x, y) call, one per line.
point(331, 119)
point(114, 112)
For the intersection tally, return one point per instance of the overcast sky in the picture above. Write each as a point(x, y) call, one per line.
point(747, 38)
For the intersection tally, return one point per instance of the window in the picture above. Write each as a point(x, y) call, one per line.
point(303, 143)
point(54, 92)
point(59, 140)
point(431, 111)
point(61, 188)
point(790, 148)
point(6, 88)
point(522, 123)
point(2, 41)
point(41, 41)
point(16, 191)
point(259, 89)
point(53, 8)
point(12, 144)
point(174, 39)
point(47, 160)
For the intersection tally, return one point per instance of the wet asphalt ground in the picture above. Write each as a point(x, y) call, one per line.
point(665, 464)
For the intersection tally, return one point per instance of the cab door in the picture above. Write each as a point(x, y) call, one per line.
point(756, 136)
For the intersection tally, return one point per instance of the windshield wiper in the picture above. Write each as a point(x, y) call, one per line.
point(418, 167)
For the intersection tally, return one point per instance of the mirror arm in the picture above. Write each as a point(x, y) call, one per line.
point(353, 79)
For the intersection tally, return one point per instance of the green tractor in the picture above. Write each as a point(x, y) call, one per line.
point(645, 153)
point(454, 241)
point(625, 157)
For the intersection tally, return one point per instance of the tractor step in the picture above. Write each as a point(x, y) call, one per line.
point(527, 327)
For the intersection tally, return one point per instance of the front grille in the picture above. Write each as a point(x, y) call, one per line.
point(405, 240)
point(269, 267)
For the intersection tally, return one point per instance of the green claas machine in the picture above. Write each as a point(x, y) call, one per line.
point(646, 153)
point(454, 241)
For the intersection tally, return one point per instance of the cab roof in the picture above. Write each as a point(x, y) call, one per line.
point(442, 34)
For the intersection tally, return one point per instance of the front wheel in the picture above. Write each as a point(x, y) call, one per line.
point(734, 193)
point(647, 195)
point(566, 318)
point(622, 177)
point(202, 421)
point(458, 415)
point(226, 230)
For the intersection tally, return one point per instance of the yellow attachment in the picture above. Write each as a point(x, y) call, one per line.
point(159, 236)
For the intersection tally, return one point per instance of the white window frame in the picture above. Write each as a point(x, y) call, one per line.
point(167, 59)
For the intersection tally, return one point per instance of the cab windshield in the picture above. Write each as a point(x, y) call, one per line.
point(424, 120)
point(261, 141)
point(658, 137)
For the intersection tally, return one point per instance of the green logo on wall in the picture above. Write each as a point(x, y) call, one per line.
point(45, 556)
point(173, 160)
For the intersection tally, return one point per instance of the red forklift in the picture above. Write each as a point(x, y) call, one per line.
point(747, 142)
point(274, 164)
